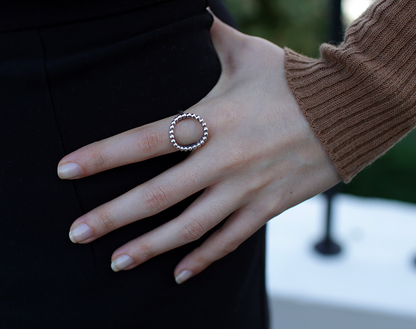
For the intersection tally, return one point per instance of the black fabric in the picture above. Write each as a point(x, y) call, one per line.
point(66, 85)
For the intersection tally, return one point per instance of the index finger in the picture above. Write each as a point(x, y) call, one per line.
point(134, 145)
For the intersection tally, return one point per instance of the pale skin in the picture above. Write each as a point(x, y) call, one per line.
point(261, 158)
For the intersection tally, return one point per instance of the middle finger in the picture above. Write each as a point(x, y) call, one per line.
point(146, 200)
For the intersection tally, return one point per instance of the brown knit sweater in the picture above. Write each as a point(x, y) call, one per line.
point(360, 97)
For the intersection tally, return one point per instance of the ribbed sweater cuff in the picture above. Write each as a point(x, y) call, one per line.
point(360, 97)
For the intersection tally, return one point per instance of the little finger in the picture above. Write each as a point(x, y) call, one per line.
point(237, 229)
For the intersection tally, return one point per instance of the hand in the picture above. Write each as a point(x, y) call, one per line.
point(261, 158)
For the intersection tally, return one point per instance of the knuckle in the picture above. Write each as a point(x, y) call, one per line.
point(271, 206)
point(234, 160)
point(145, 251)
point(98, 160)
point(193, 230)
point(106, 220)
point(150, 141)
point(227, 246)
point(155, 198)
point(231, 116)
point(257, 183)
point(201, 261)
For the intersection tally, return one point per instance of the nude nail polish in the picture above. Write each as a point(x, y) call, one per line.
point(121, 263)
point(69, 170)
point(80, 233)
point(183, 276)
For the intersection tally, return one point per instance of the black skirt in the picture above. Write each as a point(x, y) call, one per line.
point(72, 74)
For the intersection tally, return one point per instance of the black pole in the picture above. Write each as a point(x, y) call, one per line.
point(328, 227)
point(336, 30)
point(328, 246)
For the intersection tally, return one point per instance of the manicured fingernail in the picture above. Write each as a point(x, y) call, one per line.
point(121, 263)
point(183, 276)
point(69, 170)
point(80, 233)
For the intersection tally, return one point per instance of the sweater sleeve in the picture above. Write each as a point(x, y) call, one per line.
point(360, 97)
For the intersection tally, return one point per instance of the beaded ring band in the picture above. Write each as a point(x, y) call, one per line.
point(186, 116)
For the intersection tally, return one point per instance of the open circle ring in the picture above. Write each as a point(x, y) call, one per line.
point(186, 116)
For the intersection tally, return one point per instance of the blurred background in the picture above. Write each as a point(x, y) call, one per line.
point(353, 264)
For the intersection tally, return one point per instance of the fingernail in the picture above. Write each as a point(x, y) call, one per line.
point(80, 233)
point(183, 276)
point(69, 170)
point(121, 263)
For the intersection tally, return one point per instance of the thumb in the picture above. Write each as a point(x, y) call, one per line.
point(227, 42)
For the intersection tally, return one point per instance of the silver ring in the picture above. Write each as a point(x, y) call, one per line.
point(186, 116)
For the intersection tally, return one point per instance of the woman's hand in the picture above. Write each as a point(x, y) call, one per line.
point(261, 158)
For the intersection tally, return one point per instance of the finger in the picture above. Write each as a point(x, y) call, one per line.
point(146, 200)
point(135, 145)
point(227, 41)
point(204, 214)
point(150, 140)
point(237, 229)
